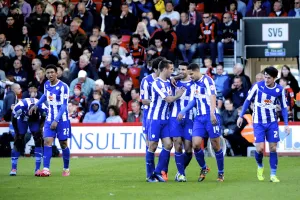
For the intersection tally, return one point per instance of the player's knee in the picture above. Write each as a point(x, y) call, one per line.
point(273, 148)
point(152, 146)
point(197, 146)
point(38, 140)
point(178, 147)
point(168, 145)
point(48, 141)
point(63, 144)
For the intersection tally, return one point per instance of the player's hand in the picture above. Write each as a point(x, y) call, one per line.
point(213, 119)
point(173, 81)
point(180, 91)
point(53, 125)
point(180, 116)
point(32, 110)
point(287, 130)
point(239, 122)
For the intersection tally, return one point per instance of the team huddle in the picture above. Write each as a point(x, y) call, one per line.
point(183, 112)
point(46, 121)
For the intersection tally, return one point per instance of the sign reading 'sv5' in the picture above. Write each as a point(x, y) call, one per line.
point(275, 32)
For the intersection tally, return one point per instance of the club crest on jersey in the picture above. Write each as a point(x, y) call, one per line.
point(277, 90)
point(66, 96)
point(268, 101)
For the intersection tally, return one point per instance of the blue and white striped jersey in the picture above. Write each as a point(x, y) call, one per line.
point(184, 100)
point(57, 95)
point(145, 90)
point(21, 109)
point(202, 90)
point(159, 108)
point(265, 101)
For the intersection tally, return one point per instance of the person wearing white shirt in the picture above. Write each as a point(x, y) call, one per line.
point(171, 14)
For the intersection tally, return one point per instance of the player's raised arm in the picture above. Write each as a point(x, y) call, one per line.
point(284, 111)
point(163, 93)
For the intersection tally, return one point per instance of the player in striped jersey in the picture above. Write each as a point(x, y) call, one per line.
point(266, 95)
point(145, 95)
point(57, 124)
point(182, 130)
point(207, 121)
point(158, 116)
point(21, 122)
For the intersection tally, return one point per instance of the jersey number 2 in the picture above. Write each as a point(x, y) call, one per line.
point(275, 134)
point(66, 131)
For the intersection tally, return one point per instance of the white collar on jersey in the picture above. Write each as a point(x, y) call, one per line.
point(272, 87)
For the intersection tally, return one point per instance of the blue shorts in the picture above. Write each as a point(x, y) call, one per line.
point(183, 128)
point(269, 132)
point(62, 131)
point(158, 129)
point(204, 128)
point(23, 126)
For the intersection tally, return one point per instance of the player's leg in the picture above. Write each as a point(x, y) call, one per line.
point(36, 132)
point(164, 157)
point(188, 148)
point(153, 138)
point(272, 137)
point(63, 134)
point(259, 134)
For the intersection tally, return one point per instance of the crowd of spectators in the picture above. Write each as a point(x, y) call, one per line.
point(103, 52)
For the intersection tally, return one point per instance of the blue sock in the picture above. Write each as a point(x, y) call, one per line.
point(273, 163)
point(66, 157)
point(163, 161)
point(199, 155)
point(220, 161)
point(259, 159)
point(38, 153)
point(47, 156)
point(179, 159)
point(187, 158)
point(166, 167)
point(150, 165)
point(14, 159)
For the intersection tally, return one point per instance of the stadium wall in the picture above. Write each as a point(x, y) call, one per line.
point(127, 139)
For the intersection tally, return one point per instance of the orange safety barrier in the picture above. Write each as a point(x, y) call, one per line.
point(247, 132)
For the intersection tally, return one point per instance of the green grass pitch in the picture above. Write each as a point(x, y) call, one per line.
point(124, 178)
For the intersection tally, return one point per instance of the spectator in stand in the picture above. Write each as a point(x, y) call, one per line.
point(86, 83)
point(210, 70)
point(4, 60)
point(208, 37)
point(12, 31)
point(127, 21)
point(278, 10)
point(69, 7)
point(241, 7)
point(150, 24)
point(135, 96)
point(143, 6)
point(170, 14)
point(136, 50)
point(238, 92)
point(142, 31)
point(4, 10)
point(236, 16)
point(292, 81)
point(117, 100)
point(28, 41)
point(32, 92)
point(104, 95)
point(122, 76)
point(61, 28)
point(296, 11)
point(97, 51)
point(56, 43)
point(108, 73)
point(89, 5)
point(74, 115)
point(187, 38)
point(105, 22)
point(61, 8)
point(126, 90)
point(84, 64)
point(79, 97)
point(49, 9)
point(195, 17)
point(19, 74)
point(114, 39)
point(220, 78)
point(259, 77)
point(257, 11)
point(40, 79)
point(17, 15)
point(10, 100)
point(159, 48)
point(113, 113)
point(136, 115)
point(72, 48)
point(60, 72)
point(95, 114)
point(86, 17)
point(48, 40)
point(46, 57)
point(7, 49)
point(100, 36)
point(26, 65)
point(132, 7)
point(39, 20)
point(167, 35)
point(290, 97)
point(266, 6)
point(25, 8)
point(78, 38)
point(64, 55)
point(227, 32)
point(36, 65)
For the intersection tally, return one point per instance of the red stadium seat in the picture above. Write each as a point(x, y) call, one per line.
point(219, 16)
point(98, 1)
point(134, 73)
point(125, 40)
point(200, 7)
point(98, 6)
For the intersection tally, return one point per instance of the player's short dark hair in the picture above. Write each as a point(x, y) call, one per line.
point(48, 39)
point(184, 64)
point(272, 71)
point(164, 64)
point(51, 66)
point(156, 61)
point(193, 67)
